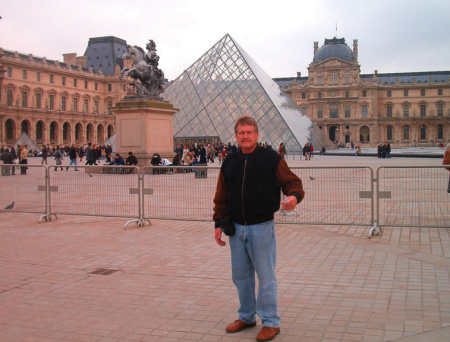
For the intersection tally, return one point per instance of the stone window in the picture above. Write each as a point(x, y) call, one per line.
point(75, 104)
point(38, 100)
point(389, 93)
point(319, 95)
point(406, 111)
point(24, 99)
point(389, 111)
point(85, 84)
point(24, 74)
point(405, 93)
point(303, 94)
point(423, 132)
point(39, 130)
point(95, 86)
point(96, 106)
point(109, 87)
point(405, 132)
point(334, 111)
point(9, 125)
point(75, 82)
point(63, 81)
point(423, 110)
point(9, 72)
point(347, 93)
point(389, 133)
point(333, 78)
point(52, 102)
point(347, 111)
point(319, 112)
point(422, 92)
point(319, 78)
point(439, 92)
point(9, 98)
point(364, 93)
point(86, 104)
point(38, 76)
point(364, 111)
point(440, 109)
point(440, 132)
point(63, 103)
point(51, 79)
point(347, 77)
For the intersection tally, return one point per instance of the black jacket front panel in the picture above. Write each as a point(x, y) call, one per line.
point(253, 195)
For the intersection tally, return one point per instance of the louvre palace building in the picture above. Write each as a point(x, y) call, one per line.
point(405, 109)
point(61, 102)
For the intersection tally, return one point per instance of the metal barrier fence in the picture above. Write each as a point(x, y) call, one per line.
point(95, 190)
point(413, 196)
point(334, 195)
point(337, 195)
point(23, 188)
point(404, 196)
point(179, 193)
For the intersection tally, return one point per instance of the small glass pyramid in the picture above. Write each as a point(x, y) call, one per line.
point(226, 83)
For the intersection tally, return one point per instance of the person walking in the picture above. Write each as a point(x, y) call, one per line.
point(73, 157)
point(446, 161)
point(58, 158)
point(248, 194)
point(44, 155)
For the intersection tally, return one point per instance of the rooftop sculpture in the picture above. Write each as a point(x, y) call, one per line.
point(148, 79)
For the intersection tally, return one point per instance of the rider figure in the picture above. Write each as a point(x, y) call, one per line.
point(153, 59)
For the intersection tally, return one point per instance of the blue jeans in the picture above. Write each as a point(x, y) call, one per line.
point(253, 249)
point(73, 162)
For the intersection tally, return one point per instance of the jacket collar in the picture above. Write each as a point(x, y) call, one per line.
point(241, 154)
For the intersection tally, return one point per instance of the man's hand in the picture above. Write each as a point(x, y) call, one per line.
point(289, 203)
point(218, 237)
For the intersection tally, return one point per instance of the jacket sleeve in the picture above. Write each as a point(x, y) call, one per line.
point(446, 160)
point(220, 200)
point(290, 183)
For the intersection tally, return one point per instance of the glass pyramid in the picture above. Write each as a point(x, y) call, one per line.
point(226, 83)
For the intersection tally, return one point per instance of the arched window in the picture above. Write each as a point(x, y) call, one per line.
point(9, 125)
point(39, 130)
point(110, 131)
point(334, 111)
point(440, 132)
point(319, 78)
point(333, 78)
point(405, 132)
point(347, 77)
point(423, 132)
point(389, 130)
point(25, 126)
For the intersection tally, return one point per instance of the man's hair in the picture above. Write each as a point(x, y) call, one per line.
point(245, 120)
point(130, 153)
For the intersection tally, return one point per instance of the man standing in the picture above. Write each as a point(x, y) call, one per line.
point(44, 155)
point(73, 157)
point(248, 192)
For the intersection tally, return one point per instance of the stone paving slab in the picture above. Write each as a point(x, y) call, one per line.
point(173, 283)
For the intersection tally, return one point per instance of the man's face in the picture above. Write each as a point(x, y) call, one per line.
point(246, 137)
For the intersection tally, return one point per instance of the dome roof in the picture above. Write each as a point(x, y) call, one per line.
point(334, 48)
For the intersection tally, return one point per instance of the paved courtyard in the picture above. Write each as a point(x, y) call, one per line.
point(85, 278)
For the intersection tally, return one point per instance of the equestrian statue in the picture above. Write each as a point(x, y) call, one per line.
point(148, 79)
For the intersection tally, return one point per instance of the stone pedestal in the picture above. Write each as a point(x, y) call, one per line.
point(144, 126)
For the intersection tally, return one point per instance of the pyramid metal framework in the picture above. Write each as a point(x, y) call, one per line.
point(226, 83)
point(24, 139)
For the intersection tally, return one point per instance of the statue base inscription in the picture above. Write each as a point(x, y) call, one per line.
point(144, 126)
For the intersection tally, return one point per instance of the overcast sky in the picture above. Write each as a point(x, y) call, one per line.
point(393, 36)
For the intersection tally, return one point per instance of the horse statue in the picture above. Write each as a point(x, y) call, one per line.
point(148, 80)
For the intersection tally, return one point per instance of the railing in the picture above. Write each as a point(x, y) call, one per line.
point(403, 196)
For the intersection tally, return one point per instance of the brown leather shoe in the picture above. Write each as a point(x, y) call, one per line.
point(267, 334)
point(239, 325)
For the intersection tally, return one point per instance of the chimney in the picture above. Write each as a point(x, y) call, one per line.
point(355, 48)
point(70, 58)
point(81, 61)
point(316, 47)
point(299, 74)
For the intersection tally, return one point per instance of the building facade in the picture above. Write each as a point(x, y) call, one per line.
point(60, 103)
point(405, 109)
